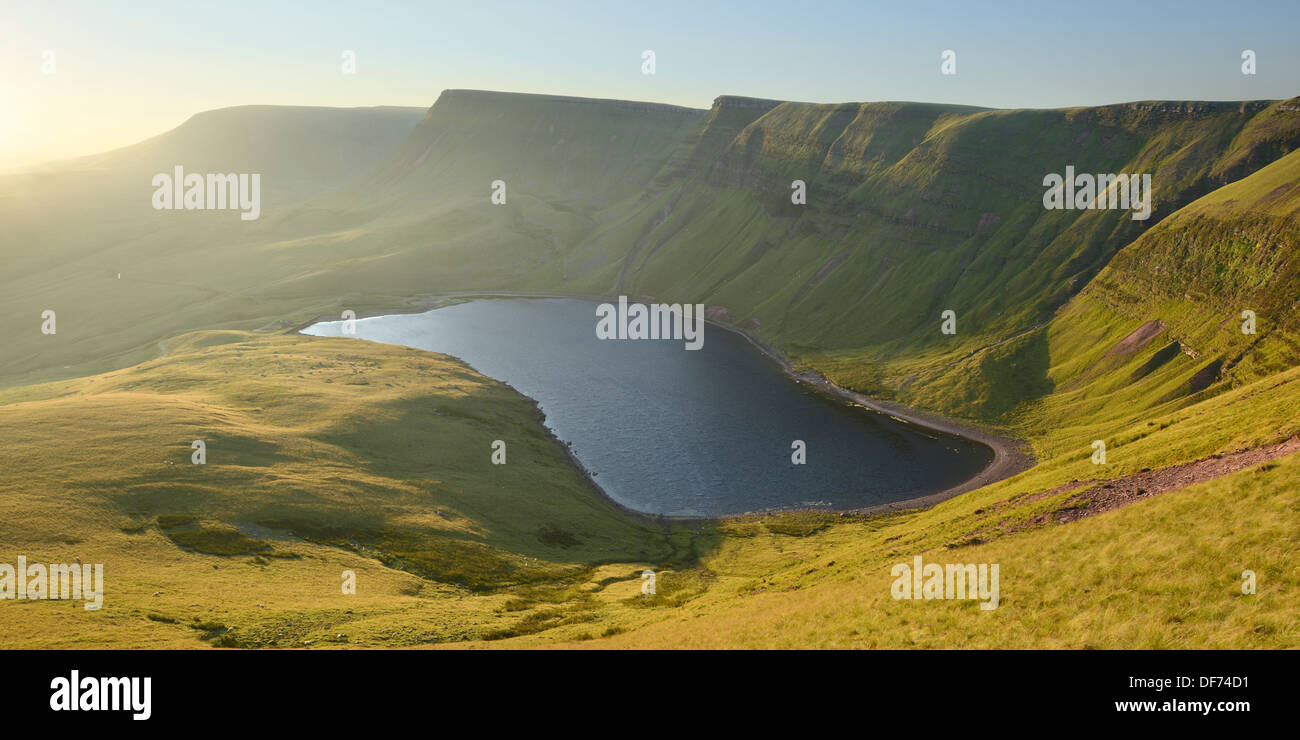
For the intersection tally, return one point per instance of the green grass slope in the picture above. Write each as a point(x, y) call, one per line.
point(1161, 327)
point(73, 226)
point(322, 456)
point(1188, 280)
point(94, 201)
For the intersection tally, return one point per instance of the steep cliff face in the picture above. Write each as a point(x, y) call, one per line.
point(1233, 251)
point(1204, 301)
point(916, 208)
point(579, 153)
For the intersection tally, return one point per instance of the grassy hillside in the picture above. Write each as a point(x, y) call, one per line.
point(300, 151)
point(425, 219)
point(322, 456)
point(72, 227)
point(1158, 329)
point(1162, 325)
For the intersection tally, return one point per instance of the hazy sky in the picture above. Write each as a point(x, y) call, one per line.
point(127, 70)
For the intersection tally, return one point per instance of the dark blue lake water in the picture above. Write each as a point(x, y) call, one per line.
point(671, 431)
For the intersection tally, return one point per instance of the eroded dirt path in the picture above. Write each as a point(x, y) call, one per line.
point(1101, 496)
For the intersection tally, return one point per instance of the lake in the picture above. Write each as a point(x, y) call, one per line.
point(677, 432)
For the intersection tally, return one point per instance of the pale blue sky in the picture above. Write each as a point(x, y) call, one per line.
point(128, 70)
